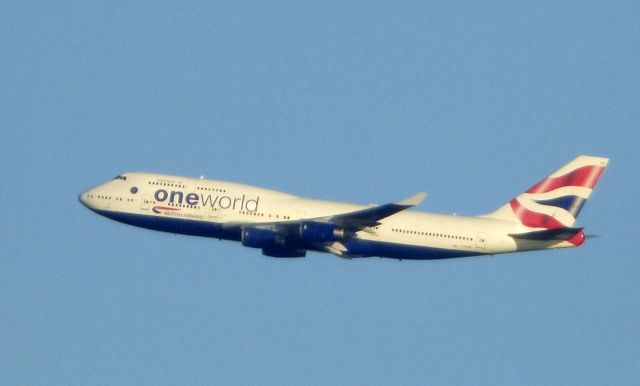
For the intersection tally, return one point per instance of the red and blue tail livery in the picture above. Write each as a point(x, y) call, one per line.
point(285, 225)
point(556, 201)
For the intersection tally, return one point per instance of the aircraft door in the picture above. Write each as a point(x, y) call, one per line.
point(481, 242)
point(145, 202)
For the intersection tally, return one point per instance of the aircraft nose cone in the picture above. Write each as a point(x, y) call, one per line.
point(83, 198)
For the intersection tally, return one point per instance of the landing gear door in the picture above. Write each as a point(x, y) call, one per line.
point(481, 242)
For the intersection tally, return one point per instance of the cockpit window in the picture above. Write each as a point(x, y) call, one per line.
point(120, 177)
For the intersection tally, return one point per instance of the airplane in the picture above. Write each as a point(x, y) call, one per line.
point(285, 225)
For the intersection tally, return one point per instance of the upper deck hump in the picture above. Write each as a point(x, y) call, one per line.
point(202, 183)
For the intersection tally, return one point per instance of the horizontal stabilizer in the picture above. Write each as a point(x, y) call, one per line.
point(559, 234)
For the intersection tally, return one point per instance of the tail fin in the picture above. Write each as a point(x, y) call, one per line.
point(556, 201)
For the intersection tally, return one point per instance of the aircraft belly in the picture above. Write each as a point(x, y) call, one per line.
point(173, 225)
point(366, 248)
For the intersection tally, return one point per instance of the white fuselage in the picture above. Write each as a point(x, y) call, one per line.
point(221, 209)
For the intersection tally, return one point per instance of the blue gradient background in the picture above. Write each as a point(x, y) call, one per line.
point(362, 102)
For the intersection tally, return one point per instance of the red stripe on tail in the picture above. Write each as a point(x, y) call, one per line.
point(533, 219)
point(586, 177)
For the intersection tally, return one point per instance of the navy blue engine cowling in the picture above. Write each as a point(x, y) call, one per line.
point(320, 232)
point(261, 238)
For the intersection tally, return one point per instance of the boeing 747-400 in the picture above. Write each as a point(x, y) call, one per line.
point(284, 225)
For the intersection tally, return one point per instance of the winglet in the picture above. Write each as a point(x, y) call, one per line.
point(413, 200)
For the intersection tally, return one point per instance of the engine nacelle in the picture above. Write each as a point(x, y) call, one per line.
point(261, 238)
point(321, 232)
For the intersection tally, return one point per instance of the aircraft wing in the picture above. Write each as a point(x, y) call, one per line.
point(352, 221)
point(325, 232)
point(370, 217)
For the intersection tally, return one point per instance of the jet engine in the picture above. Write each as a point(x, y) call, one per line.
point(321, 232)
point(261, 238)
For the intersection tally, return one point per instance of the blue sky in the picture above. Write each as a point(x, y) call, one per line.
point(362, 102)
